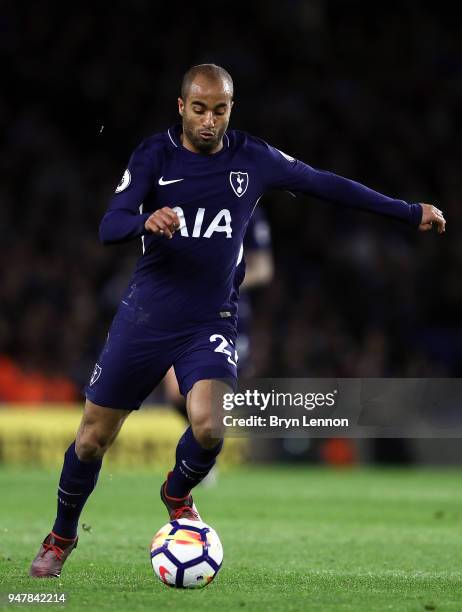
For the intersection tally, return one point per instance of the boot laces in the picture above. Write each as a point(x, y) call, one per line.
point(55, 549)
point(179, 512)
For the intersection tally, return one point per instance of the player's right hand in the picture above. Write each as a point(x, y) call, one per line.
point(163, 222)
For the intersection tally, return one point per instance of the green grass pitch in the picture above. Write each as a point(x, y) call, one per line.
point(294, 539)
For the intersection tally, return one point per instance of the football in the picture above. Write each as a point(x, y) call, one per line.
point(186, 554)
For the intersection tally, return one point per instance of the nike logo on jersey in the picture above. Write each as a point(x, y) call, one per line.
point(162, 182)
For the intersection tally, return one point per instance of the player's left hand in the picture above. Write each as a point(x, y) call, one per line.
point(432, 215)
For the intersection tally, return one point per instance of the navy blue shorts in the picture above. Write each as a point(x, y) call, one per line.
point(136, 357)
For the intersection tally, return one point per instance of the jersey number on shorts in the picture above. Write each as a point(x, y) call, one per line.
point(222, 348)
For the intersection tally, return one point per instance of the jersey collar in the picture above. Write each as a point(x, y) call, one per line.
point(174, 132)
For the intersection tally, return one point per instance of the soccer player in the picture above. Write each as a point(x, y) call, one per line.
point(188, 193)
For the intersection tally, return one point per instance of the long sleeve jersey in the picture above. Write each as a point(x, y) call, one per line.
point(191, 279)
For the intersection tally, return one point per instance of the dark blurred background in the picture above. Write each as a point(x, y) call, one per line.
point(371, 91)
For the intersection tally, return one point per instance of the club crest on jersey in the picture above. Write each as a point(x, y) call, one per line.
point(239, 182)
point(124, 182)
point(96, 374)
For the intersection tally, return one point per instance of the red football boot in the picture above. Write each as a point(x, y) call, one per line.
point(51, 557)
point(179, 507)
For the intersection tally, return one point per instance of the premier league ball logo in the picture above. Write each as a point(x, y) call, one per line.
point(239, 182)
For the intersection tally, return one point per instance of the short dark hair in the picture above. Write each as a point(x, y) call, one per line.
point(210, 71)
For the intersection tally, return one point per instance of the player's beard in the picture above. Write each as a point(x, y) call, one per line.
point(204, 146)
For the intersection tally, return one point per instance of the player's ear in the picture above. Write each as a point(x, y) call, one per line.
point(180, 106)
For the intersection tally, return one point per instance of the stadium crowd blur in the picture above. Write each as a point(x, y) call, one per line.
point(361, 89)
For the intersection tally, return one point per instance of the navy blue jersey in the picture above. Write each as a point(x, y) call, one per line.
point(189, 280)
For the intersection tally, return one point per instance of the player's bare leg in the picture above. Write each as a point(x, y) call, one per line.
point(175, 399)
point(97, 430)
point(82, 462)
point(173, 394)
point(197, 449)
point(201, 405)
